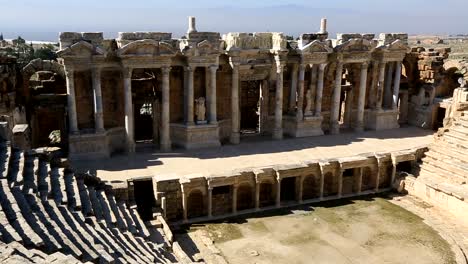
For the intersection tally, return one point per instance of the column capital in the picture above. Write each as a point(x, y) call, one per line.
point(127, 72)
point(189, 68)
point(166, 69)
point(364, 65)
point(302, 66)
point(382, 64)
point(280, 68)
point(213, 68)
point(322, 66)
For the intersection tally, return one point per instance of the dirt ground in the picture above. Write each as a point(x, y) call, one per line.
point(357, 231)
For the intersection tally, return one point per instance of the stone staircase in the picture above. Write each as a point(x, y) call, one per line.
point(48, 214)
point(445, 165)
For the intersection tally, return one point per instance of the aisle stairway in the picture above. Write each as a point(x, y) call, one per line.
point(48, 214)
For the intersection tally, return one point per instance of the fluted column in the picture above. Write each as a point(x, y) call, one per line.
point(300, 93)
point(380, 86)
point(335, 109)
point(189, 96)
point(71, 102)
point(98, 110)
point(362, 99)
point(129, 122)
point(212, 96)
point(278, 127)
point(293, 88)
point(165, 119)
point(235, 121)
point(396, 85)
point(319, 94)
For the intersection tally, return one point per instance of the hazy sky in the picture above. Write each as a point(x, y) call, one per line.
point(42, 20)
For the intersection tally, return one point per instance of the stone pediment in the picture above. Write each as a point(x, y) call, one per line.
point(316, 46)
point(356, 45)
point(81, 49)
point(147, 47)
point(398, 46)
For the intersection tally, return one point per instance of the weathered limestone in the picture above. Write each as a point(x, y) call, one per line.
point(72, 116)
point(362, 99)
point(278, 126)
point(396, 86)
point(293, 89)
point(319, 94)
point(165, 128)
point(380, 86)
point(335, 110)
point(212, 96)
point(300, 94)
point(129, 123)
point(189, 96)
point(98, 111)
point(235, 122)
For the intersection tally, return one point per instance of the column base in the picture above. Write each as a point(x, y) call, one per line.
point(308, 127)
point(234, 138)
point(278, 133)
point(382, 119)
point(195, 136)
point(335, 128)
point(97, 145)
point(166, 146)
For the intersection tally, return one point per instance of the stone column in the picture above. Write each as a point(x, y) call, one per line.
point(210, 201)
point(380, 86)
point(377, 178)
point(235, 111)
point(129, 128)
point(300, 188)
point(313, 85)
point(165, 119)
point(388, 84)
point(335, 109)
point(322, 182)
point(278, 191)
point(234, 199)
point(340, 182)
point(212, 95)
point(396, 85)
point(394, 165)
point(300, 93)
point(362, 99)
point(348, 107)
point(293, 88)
point(98, 110)
point(319, 94)
point(361, 170)
point(184, 204)
point(189, 96)
point(278, 127)
point(71, 102)
point(257, 195)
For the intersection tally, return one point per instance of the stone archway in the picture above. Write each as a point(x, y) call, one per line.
point(330, 185)
point(368, 179)
point(245, 197)
point(195, 204)
point(267, 197)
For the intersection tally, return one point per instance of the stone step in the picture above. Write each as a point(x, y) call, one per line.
point(121, 223)
point(53, 227)
point(8, 233)
point(460, 166)
point(445, 148)
point(93, 244)
point(42, 175)
point(86, 206)
point(54, 213)
point(4, 161)
point(143, 231)
point(96, 205)
point(455, 142)
point(15, 217)
point(28, 175)
point(31, 218)
point(71, 188)
point(135, 253)
point(440, 183)
point(128, 218)
point(443, 173)
point(57, 191)
point(105, 207)
point(15, 176)
point(448, 165)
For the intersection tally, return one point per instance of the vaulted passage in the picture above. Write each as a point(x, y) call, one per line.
point(144, 198)
point(368, 179)
point(222, 200)
point(245, 197)
point(195, 204)
point(330, 186)
point(288, 189)
point(250, 107)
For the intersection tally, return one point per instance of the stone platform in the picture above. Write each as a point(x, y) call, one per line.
point(254, 152)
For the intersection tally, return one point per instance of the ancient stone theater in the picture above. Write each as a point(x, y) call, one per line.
point(120, 140)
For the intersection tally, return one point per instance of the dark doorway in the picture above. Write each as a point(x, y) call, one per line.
point(330, 186)
point(144, 198)
point(250, 107)
point(310, 188)
point(222, 200)
point(288, 189)
point(404, 166)
point(348, 181)
point(244, 197)
point(266, 194)
point(143, 113)
point(195, 204)
point(440, 118)
point(368, 179)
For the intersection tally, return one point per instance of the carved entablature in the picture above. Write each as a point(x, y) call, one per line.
point(147, 53)
point(395, 51)
point(316, 52)
point(81, 49)
point(258, 41)
point(356, 50)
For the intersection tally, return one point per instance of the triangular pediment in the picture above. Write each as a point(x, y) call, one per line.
point(146, 47)
point(397, 45)
point(316, 46)
point(356, 45)
point(81, 49)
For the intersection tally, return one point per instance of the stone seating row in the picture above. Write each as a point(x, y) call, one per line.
point(46, 208)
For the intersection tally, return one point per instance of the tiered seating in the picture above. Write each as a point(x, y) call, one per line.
point(48, 214)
